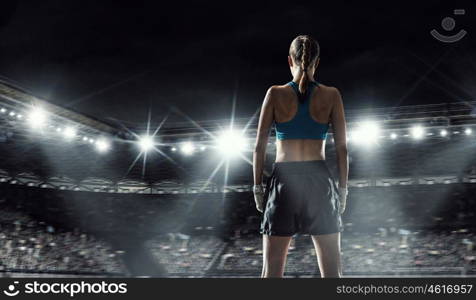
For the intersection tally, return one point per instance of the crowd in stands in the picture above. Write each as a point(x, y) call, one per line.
point(389, 251)
point(388, 230)
point(28, 245)
point(184, 254)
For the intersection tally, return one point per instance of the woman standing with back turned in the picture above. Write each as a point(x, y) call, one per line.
point(301, 196)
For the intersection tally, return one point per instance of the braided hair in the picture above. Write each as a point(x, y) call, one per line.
point(304, 50)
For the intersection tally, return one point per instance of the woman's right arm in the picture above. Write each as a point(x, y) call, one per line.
point(340, 138)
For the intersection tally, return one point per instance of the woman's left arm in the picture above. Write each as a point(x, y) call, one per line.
point(265, 121)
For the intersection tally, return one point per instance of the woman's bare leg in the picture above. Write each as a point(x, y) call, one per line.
point(275, 250)
point(328, 254)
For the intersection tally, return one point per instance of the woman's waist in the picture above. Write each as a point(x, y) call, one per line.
point(300, 166)
point(288, 155)
point(300, 149)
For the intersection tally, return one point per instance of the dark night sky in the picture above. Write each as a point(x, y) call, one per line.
point(117, 59)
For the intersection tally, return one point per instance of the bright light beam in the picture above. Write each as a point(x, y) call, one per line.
point(417, 132)
point(207, 182)
point(69, 132)
point(146, 143)
point(102, 145)
point(231, 143)
point(367, 133)
point(37, 118)
point(187, 148)
point(443, 132)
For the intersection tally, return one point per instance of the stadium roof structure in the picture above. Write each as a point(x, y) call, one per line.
point(390, 118)
point(441, 115)
point(45, 160)
point(19, 99)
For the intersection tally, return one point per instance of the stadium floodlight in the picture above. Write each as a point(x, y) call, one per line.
point(173, 149)
point(146, 143)
point(3, 110)
point(231, 143)
point(417, 132)
point(19, 116)
point(69, 132)
point(187, 148)
point(12, 114)
point(468, 131)
point(102, 145)
point(203, 147)
point(85, 138)
point(366, 133)
point(443, 132)
point(393, 135)
point(37, 117)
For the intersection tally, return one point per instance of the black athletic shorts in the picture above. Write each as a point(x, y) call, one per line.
point(301, 197)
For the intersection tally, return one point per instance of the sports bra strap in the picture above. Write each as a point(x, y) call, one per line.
point(295, 87)
point(302, 125)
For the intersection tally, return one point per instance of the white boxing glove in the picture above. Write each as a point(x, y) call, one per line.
point(343, 192)
point(258, 192)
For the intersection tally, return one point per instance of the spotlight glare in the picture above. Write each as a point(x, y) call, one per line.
point(468, 131)
point(366, 133)
point(173, 149)
point(11, 114)
point(417, 132)
point(69, 132)
point(102, 145)
point(37, 118)
point(202, 148)
point(187, 148)
point(231, 143)
point(443, 132)
point(393, 135)
point(3, 110)
point(85, 138)
point(146, 143)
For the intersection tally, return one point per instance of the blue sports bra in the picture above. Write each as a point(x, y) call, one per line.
point(302, 125)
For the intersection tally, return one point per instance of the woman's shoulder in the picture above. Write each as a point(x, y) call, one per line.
point(286, 86)
point(328, 89)
point(277, 90)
